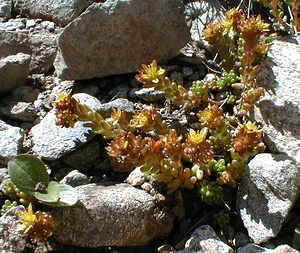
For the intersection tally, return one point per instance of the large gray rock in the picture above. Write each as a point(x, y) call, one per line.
point(112, 215)
point(11, 238)
point(5, 8)
point(60, 11)
point(267, 193)
point(205, 240)
point(52, 142)
point(117, 36)
point(10, 141)
point(14, 70)
point(41, 45)
point(279, 109)
point(252, 248)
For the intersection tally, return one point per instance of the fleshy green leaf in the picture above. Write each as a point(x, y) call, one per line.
point(52, 195)
point(26, 171)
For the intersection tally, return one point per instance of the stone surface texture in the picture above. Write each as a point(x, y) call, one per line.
point(202, 13)
point(112, 215)
point(21, 111)
point(267, 193)
point(14, 70)
point(205, 240)
point(252, 248)
point(279, 109)
point(11, 239)
point(10, 141)
point(52, 142)
point(5, 8)
point(60, 11)
point(40, 44)
point(124, 35)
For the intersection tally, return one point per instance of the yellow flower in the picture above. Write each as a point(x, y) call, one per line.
point(151, 73)
point(28, 220)
point(197, 137)
point(212, 117)
point(139, 120)
point(251, 127)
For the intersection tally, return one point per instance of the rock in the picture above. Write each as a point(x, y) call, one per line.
point(279, 109)
point(20, 94)
point(205, 240)
point(122, 103)
point(12, 25)
point(112, 215)
point(50, 26)
point(84, 158)
point(267, 193)
point(41, 45)
point(150, 94)
point(202, 13)
point(5, 8)
point(10, 141)
point(30, 23)
point(59, 11)
point(75, 178)
point(11, 239)
point(52, 142)
point(136, 177)
point(21, 111)
point(121, 36)
point(241, 239)
point(14, 70)
point(252, 248)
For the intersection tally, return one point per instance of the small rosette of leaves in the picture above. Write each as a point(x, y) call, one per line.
point(226, 81)
point(149, 120)
point(222, 218)
point(247, 138)
point(210, 191)
point(8, 204)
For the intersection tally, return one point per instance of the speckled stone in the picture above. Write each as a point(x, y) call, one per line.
point(266, 194)
point(112, 215)
point(279, 109)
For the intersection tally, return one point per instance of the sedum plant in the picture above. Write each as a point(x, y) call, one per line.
point(285, 13)
point(208, 159)
point(38, 225)
point(214, 154)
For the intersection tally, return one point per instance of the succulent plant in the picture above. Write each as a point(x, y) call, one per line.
point(222, 218)
point(7, 205)
point(38, 225)
point(286, 14)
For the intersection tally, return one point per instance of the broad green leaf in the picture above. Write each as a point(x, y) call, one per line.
point(26, 171)
point(52, 195)
point(67, 197)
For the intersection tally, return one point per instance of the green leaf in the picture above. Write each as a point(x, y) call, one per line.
point(52, 195)
point(68, 195)
point(26, 171)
